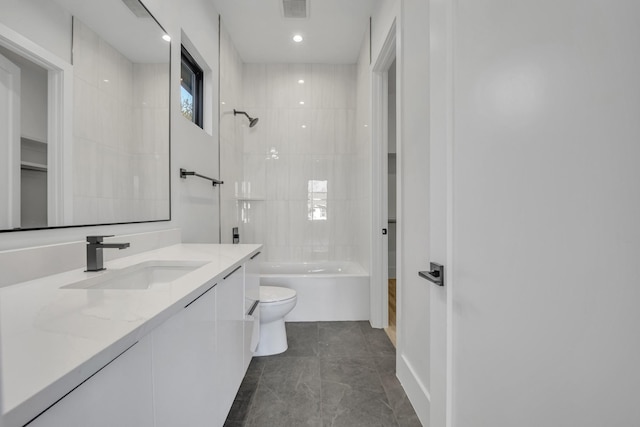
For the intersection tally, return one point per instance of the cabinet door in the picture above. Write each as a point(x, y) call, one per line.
point(120, 394)
point(251, 307)
point(185, 368)
point(230, 303)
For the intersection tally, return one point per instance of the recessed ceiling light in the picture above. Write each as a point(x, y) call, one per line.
point(304, 126)
point(301, 102)
point(297, 38)
point(166, 38)
point(300, 81)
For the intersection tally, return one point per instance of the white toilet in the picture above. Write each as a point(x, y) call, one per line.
point(275, 303)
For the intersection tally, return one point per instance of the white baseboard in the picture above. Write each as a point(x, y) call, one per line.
point(416, 391)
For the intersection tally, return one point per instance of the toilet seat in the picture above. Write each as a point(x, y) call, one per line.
point(275, 294)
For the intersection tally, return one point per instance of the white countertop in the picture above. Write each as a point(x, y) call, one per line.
point(53, 339)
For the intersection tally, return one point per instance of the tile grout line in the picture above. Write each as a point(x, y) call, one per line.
point(320, 369)
point(253, 397)
point(375, 364)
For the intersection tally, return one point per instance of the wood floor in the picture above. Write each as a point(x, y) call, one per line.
point(391, 330)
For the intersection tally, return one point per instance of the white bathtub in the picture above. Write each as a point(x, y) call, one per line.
point(327, 291)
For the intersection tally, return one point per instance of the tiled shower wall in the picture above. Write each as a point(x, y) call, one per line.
point(315, 130)
point(121, 148)
point(305, 138)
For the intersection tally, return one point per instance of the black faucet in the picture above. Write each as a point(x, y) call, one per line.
point(94, 251)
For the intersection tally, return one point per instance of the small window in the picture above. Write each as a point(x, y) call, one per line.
point(317, 200)
point(191, 89)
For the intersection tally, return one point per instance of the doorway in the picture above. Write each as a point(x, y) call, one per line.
point(386, 195)
point(391, 200)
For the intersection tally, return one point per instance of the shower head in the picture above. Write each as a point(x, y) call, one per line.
point(252, 121)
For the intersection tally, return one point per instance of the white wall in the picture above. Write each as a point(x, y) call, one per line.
point(194, 202)
point(41, 21)
point(362, 167)
point(231, 140)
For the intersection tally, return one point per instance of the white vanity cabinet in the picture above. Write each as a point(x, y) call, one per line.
point(198, 357)
point(186, 370)
point(120, 394)
point(230, 311)
point(251, 307)
point(185, 365)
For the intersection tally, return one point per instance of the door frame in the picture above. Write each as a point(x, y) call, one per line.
point(441, 224)
point(11, 157)
point(59, 124)
point(379, 296)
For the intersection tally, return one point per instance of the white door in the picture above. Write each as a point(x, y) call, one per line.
point(545, 213)
point(440, 211)
point(9, 144)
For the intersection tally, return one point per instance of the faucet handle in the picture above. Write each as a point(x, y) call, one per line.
point(96, 239)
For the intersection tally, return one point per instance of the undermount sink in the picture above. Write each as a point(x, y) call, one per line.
point(145, 275)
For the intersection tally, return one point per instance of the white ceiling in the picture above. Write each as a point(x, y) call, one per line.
point(139, 39)
point(333, 33)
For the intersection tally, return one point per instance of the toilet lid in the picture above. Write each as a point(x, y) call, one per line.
point(275, 293)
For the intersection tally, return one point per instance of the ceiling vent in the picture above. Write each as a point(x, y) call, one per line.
point(137, 8)
point(295, 9)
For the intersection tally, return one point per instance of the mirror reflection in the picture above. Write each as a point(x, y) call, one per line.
point(110, 162)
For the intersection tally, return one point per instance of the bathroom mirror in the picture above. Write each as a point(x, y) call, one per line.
point(86, 138)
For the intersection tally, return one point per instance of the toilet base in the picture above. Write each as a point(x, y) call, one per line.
point(273, 338)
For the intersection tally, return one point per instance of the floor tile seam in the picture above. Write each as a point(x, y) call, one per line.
point(386, 393)
point(366, 342)
point(253, 397)
point(351, 387)
point(321, 392)
point(346, 356)
point(292, 357)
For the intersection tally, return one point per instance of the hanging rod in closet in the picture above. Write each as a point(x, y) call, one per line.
point(185, 173)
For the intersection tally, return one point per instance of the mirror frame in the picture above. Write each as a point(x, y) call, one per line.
point(60, 84)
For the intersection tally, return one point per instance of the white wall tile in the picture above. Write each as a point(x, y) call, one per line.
point(278, 220)
point(300, 172)
point(317, 140)
point(85, 53)
point(344, 86)
point(255, 88)
point(274, 125)
point(85, 210)
point(85, 115)
point(322, 131)
point(299, 132)
point(279, 86)
point(277, 178)
point(300, 229)
point(255, 171)
point(85, 165)
point(322, 88)
point(300, 91)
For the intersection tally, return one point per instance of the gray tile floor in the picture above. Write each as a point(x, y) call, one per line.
point(333, 374)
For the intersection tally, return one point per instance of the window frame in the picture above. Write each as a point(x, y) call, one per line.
point(198, 101)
